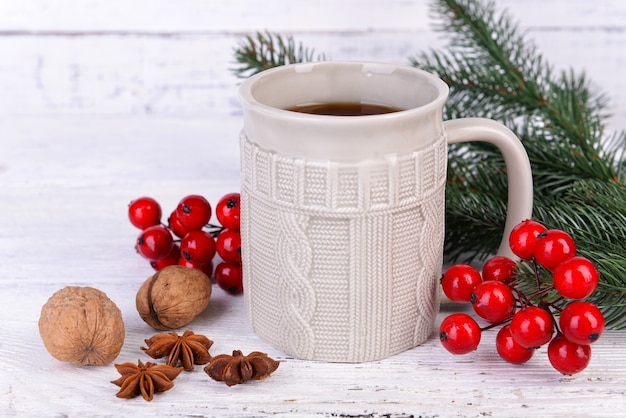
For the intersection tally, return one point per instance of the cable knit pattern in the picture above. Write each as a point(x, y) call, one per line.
point(294, 288)
point(341, 261)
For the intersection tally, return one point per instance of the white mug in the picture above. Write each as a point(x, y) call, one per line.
point(343, 216)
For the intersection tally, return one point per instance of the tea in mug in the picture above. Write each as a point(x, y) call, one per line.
point(344, 109)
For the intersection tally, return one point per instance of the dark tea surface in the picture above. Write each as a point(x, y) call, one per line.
point(344, 109)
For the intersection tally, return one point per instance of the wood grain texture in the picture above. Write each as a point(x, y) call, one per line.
point(164, 58)
point(166, 16)
point(103, 102)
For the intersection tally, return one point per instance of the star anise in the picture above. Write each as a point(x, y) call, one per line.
point(188, 349)
point(238, 368)
point(144, 379)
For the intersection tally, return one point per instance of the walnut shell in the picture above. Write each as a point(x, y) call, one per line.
point(173, 297)
point(81, 325)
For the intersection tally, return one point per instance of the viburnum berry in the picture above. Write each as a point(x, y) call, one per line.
point(581, 322)
point(176, 226)
point(568, 357)
point(228, 245)
point(198, 247)
point(206, 268)
point(459, 281)
point(193, 212)
point(509, 349)
point(523, 238)
point(144, 212)
point(500, 268)
point(553, 247)
point(495, 297)
point(493, 301)
point(155, 242)
point(227, 211)
point(576, 278)
point(170, 260)
point(229, 277)
point(532, 327)
point(459, 333)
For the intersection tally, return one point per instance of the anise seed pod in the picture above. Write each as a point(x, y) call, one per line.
point(187, 349)
point(144, 379)
point(237, 368)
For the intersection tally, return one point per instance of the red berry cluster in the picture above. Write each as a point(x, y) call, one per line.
point(528, 321)
point(189, 239)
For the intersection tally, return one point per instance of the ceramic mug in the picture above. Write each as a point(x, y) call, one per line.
point(343, 216)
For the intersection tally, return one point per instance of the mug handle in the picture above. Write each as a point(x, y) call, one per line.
point(520, 180)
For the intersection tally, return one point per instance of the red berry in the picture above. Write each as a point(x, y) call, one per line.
point(176, 227)
point(155, 242)
point(193, 212)
point(523, 238)
point(501, 269)
point(170, 260)
point(568, 357)
point(228, 276)
point(581, 322)
point(509, 349)
point(493, 301)
point(228, 246)
point(206, 268)
point(198, 247)
point(576, 278)
point(144, 212)
point(459, 333)
point(227, 211)
point(532, 327)
point(553, 247)
point(459, 281)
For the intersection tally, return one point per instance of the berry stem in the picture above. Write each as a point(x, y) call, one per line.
point(496, 324)
point(521, 297)
point(554, 304)
point(540, 292)
point(536, 272)
point(214, 230)
point(546, 306)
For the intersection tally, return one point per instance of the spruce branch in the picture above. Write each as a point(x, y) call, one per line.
point(578, 170)
point(267, 50)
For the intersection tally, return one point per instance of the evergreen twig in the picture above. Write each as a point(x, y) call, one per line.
point(578, 171)
point(267, 50)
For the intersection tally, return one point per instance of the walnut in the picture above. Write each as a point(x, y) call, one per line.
point(81, 325)
point(173, 297)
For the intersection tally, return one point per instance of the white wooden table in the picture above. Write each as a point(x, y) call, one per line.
point(101, 102)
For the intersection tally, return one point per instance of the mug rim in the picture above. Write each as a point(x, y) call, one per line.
point(343, 138)
point(247, 97)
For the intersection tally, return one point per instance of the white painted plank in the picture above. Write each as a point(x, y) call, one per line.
point(211, 16)
point(282, 15)
point(165, 70)
point(191, 76)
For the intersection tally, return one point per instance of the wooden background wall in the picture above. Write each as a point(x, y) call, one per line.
point(173, 58)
